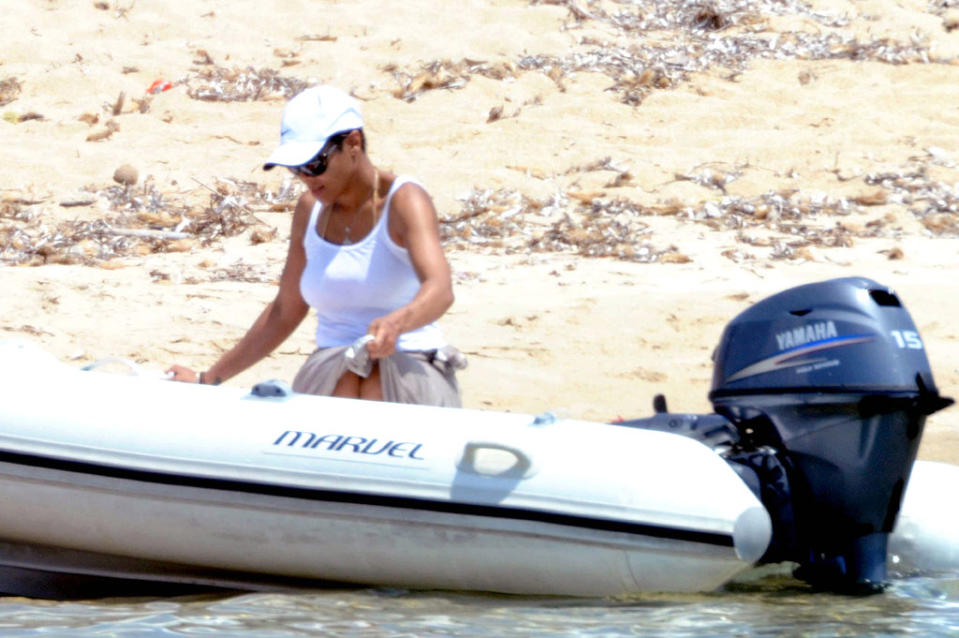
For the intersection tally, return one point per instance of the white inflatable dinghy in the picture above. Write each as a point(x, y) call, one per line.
point(821, 393)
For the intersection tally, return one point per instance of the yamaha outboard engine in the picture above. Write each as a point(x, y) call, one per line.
point(833, 376)
point(821, 393)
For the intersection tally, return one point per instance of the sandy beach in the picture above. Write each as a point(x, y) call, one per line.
point(615, 180)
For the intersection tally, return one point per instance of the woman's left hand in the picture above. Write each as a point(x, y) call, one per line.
point(385, 332)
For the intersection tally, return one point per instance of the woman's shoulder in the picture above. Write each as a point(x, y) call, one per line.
point(303, 211)
point(404, 190)
point(410, 209)
point(305, 204)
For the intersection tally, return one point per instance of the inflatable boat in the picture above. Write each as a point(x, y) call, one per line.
point(820, 397)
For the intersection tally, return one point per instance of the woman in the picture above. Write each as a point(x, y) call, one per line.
point(365, 252)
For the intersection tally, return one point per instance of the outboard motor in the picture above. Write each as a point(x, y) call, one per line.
point(821, 393)
point(834, 376)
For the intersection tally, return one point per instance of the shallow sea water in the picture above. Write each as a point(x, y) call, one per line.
point(771, 606)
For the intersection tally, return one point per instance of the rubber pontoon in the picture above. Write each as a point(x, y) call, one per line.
point(131, 477)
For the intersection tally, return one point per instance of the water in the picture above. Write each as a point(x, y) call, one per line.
point(771, 606)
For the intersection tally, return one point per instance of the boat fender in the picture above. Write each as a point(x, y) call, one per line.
point(752, 533)
point(765, 475)
point(272, 389)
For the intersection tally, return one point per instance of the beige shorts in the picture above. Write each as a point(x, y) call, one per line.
point(406, 377)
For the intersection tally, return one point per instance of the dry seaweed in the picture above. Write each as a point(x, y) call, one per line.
point(443, 74)
point(138, 220)
point(935, 203)
point(786, 224)
point(221, 84)
point(804, 217)
point(607, 229)
point(670, 41)
point(249, 273)
point(711, 177)
point(638, 69)
point(508, 221)
point(724, 34)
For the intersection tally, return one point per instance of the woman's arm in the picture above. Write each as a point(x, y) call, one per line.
point(414, 225)
point(277, 321)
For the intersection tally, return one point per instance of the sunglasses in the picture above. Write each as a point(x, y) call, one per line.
point(318, 165)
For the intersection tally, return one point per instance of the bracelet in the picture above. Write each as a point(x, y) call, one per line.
point(201, 379)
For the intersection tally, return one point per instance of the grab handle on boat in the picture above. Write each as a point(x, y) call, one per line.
point(521, 468)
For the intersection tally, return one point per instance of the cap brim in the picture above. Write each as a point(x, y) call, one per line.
point(293, 154)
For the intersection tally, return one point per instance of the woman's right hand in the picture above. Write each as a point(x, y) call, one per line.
point(183, 374)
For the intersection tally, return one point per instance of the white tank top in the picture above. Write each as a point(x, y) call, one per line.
point(352, 284)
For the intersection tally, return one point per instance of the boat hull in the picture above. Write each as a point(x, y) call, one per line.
point(121, 476)
point(305, 538)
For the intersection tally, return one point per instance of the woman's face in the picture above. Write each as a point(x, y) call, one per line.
point(339, 162)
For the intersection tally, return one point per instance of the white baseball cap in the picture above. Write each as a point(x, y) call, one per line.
point(309, 120)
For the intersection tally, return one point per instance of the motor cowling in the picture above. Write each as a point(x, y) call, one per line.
point(833, 375)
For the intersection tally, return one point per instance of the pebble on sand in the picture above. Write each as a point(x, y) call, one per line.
point(126, 175)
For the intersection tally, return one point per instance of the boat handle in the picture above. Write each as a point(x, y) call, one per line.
point(522, 468)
